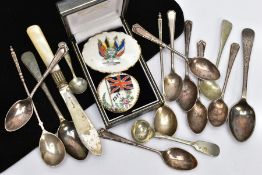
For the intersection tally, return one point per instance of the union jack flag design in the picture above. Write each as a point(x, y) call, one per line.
point(120, 82)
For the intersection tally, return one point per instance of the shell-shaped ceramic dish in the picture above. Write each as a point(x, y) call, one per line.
point(111, 52)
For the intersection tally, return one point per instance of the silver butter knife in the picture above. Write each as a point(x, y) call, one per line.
point(84, 127)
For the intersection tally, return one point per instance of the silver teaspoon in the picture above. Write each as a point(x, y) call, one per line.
point(174, 157)
point(77, 85)
point(21, 111)
point(66, 131)
point(51, 147)
point(218, 110)
point(242, 116)
point(200, 67)
point(188, 95)
point(173, 82)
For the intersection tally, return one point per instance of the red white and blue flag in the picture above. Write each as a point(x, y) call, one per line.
point(120, 82)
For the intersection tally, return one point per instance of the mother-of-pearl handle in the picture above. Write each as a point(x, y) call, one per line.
point(38, 39)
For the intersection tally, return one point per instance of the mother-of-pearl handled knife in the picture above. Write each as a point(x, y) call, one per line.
point(84, 127)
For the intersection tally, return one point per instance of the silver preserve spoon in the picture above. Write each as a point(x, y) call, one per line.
point(211, 89)
point(51, 147)
point(142, 132)
point(77, 85)
point(218, 110)
point(173, 82)
point(188, 95)
point(66, 131)
point(197, 116)
point(174, 157)
point(200, 67)
point(21, 111)
point(242, 116)
point(165, 120)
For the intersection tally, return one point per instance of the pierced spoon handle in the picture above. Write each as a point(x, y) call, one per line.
point(105, 134)
point(248, 36)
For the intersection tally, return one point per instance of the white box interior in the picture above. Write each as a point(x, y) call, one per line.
point(95, 19)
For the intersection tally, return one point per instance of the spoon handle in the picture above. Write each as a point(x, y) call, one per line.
point(40, 123)
point(187, 31)
point(233, 53)
point(248, 36)
point(201, 47)
point(105, 134)
point(225, 32)
point(171, 15)
point(31, 64)
point(68, 59)
point(160, 136)
point(139, 30)
point(160, 29)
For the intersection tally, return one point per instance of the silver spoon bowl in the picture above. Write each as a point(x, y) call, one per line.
point(51, 148)
point(21, 111)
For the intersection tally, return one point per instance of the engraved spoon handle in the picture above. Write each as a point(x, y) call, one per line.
point(248, 36)
point(68, 60)
point(171, 15)
point(111, 136)
point(136, 28)
point(187, 30)
point(233, 53)
point(226, 28)
point(31, 64)
point(40, 123)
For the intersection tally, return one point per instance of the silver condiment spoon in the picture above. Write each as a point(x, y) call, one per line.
point(77, 85)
